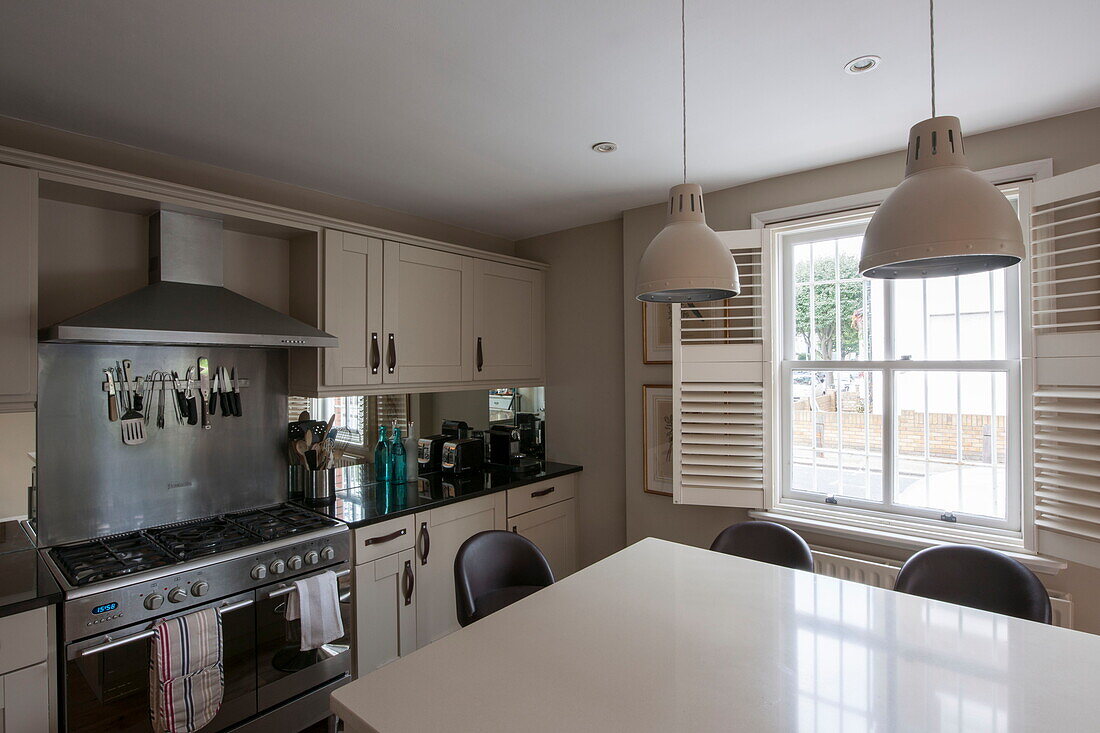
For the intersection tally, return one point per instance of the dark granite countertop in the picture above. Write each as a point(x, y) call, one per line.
point(361, 501)
point(25, 581)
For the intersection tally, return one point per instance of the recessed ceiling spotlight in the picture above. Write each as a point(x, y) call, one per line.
point(862, 65)
point(605, 147)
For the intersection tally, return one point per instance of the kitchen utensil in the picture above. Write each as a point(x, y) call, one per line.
point(192, 402)
point(180, 398)
point(204, 390)
point(133, 425)
point(235, 388)
point(225, 392)
point(300, 447)
point(129, 381)
point(303, 416)
point(120, 381)
point(160, 404)
point(212, 408)
point(321, 488)
point(112, 397)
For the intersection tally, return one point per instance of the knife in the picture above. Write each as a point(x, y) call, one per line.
point(226, 390)
point(204, 390)
point(112, 397)
point(189, 393)
point(214, 388)
point(182, 409)
point(236, 394)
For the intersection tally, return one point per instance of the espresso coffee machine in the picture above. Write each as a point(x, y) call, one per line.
point(532, 435)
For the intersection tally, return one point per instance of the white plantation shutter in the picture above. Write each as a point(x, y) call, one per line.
point(722, 387)
point(1065, 271)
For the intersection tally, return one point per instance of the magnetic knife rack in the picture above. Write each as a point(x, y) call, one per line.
point(194, 384)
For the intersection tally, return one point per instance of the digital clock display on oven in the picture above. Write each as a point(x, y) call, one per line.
point(105, 608)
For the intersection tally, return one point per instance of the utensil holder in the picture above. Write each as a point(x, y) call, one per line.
point(320, 487)
point(298, 478)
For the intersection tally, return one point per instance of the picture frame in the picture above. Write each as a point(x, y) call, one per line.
point(656, 333)
point(657, 439)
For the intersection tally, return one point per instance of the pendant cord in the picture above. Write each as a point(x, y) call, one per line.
point(683, 88)
point(932, 49)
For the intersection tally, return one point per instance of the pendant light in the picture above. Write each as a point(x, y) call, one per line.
point(686, 262)
point(943, 219)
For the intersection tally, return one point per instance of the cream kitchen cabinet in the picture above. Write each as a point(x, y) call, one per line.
point(18, 288)
point(428, 315)
point(509, 322)
point(26, 686)
point(385, 610)
point(353, 309)
point(546, 514)
point(439, 534)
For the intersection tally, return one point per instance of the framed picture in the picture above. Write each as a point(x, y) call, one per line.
point(657, 438)
point(656, 333)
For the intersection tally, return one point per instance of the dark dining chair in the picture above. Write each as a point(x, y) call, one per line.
point(767, 542)
point(976, 577)
point(495, 569)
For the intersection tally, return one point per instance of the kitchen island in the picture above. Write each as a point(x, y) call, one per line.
point(666, 637)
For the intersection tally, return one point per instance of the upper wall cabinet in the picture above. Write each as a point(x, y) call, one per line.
point(18, 288)
point(353, 309)
point(428, 315)
point(509, 322)
point(414, 316)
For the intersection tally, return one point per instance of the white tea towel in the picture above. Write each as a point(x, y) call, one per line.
point(316, 602)
point(186, 674)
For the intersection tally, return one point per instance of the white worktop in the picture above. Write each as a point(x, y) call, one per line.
point(665, 637)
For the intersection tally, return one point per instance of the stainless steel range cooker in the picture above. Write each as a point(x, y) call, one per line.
point(241, 564)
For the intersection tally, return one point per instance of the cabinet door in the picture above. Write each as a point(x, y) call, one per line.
point(385, 610)
point(428, 315)
point(353, 309)
point(554, 529)
point(26, 700)
point(18, 288)
point(509, 322)
point(439, 534)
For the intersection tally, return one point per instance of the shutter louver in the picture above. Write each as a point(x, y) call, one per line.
point(721, 388)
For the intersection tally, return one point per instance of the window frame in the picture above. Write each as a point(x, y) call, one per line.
point(1018, 527)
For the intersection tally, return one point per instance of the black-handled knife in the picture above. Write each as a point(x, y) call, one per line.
point(181, 396)
point(224, 391)
point(235, 394)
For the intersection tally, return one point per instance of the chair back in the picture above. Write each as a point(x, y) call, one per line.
point(767, 542)
point(976, 577)
point(492, 561)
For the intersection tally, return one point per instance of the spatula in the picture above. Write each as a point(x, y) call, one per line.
point(133, 424)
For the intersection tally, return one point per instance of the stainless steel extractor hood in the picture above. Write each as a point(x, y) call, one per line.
point(186, 301)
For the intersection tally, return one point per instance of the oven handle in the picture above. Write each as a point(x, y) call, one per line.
point(289, 588)
point(149, 633)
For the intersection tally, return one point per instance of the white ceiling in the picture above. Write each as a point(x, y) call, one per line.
point(481, 113)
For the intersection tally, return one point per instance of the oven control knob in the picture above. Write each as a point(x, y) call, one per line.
point(312, 558)
point(295, 562)
point(328, 553)
point(277, 567)
point(153, 601)
point(259, 572)
point(200, 588)
point(176, 595)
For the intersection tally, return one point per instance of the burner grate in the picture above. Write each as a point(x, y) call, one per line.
point(279, 521)
point(110, 557)
point(190, 540)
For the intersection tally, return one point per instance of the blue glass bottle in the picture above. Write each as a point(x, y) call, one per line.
point(382, 462)
point(398, 468)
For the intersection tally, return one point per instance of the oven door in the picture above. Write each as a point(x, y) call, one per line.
point(107, 676)
point(283, 670)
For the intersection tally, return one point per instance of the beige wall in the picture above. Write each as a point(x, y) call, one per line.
point(1072, 141)
point(584, 353)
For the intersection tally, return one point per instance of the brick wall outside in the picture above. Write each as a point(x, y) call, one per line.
point(942, 432)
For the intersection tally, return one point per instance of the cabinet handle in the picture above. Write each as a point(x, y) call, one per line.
point(375, 357)
point(391, 354)
point(480, 355)
point(384, 538)
point(425, 543)
point(407, 582)
point(544, 492)
point(515, 529)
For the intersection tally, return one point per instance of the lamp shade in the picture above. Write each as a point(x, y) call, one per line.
point(943, 219)
point(686, 262)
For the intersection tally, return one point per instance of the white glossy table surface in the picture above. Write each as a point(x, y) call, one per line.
point(665, 637)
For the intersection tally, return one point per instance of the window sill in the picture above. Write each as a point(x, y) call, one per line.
point(905, 535)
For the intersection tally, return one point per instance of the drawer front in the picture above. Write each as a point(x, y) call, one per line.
point(385, 538)
point(544, 493)
point(22, 639)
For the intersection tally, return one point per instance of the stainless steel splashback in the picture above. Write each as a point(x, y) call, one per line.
point(90, 484)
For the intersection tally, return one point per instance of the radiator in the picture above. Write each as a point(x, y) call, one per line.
point(882, 573)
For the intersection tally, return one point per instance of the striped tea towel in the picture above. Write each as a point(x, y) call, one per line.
point(186, 672)
point(316, 601)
